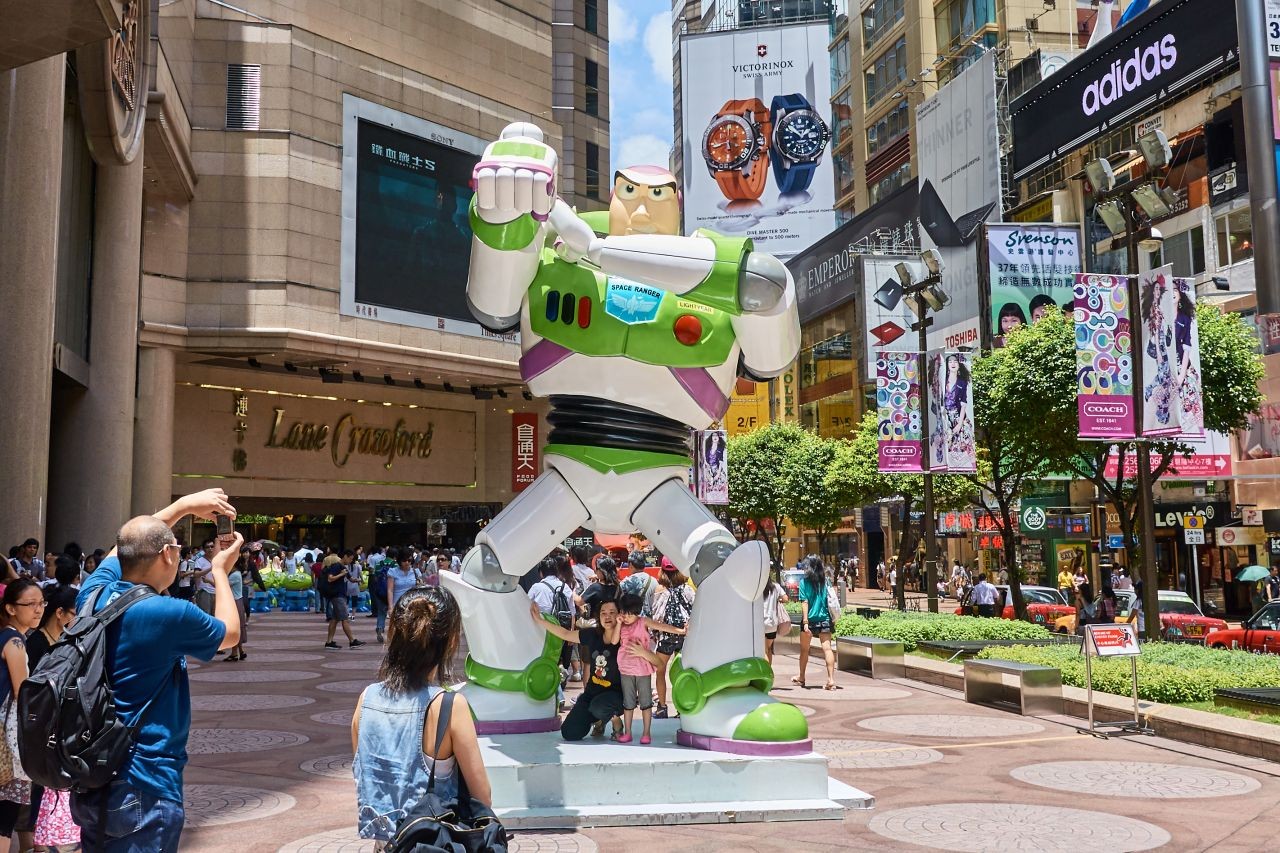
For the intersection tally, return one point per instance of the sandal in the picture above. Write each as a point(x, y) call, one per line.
point(795, 679)
point(830, 685)
point(660, 713)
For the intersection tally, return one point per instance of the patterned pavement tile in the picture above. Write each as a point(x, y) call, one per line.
point(1135, 779)
point(216, 741)
point(980, 827)
point(254, 676)
point(330, 841)
point(357, 686)
point(212, 805)
point(341, 717)
point(248, 702)
point(950, 725)
point(333, 766)
point(369, 666)
point(853, 754)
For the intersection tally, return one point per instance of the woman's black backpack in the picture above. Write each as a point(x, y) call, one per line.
point(437, 825)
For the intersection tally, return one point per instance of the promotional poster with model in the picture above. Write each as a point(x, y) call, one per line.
point(656, 328)
point(756, 136)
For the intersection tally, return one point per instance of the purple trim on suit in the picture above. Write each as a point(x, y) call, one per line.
point(703, 389)
point(540, 358)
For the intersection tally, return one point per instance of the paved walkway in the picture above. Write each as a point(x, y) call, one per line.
point(271, 753)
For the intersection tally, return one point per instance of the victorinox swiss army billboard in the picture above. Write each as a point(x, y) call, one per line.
point(1159, 57)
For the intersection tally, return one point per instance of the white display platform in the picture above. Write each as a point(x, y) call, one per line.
point(541, 782)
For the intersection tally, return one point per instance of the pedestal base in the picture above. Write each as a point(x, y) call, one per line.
point(745, 747)
point(517, 727)
point(541, 782)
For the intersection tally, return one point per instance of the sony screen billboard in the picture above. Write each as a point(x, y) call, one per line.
point(406, 236)
point(756, 108)
point(1140, 68)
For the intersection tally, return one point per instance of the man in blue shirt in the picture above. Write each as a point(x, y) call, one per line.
point(146, 659)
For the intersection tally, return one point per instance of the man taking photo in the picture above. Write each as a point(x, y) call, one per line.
point(147, 649)
point(333, 586)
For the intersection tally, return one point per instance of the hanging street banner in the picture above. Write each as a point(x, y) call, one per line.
point(1104, 358)
point(1032, 270)
point(1161, 401)
point(1186, 345)
point(712, 474)
point(898, 409)
point(951, 434)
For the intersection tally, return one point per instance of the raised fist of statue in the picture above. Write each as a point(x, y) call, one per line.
point(516, 175)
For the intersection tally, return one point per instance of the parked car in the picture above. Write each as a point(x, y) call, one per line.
point(791, 583)
point(1180, 618)
point(1044, 604)
point(1259, 633)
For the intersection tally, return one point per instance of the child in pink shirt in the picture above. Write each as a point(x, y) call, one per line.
point(636, 661)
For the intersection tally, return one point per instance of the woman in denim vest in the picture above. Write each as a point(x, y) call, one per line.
point(394, 728)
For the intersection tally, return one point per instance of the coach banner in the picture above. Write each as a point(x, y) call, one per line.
point(1104, 357)
point(1158, 307)
point(898, 408)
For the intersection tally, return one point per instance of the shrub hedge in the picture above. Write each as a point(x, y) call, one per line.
point(1171, 673)
point(913, 628)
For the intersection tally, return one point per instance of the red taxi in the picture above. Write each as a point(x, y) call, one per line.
point(1044, 605)
point(1259, 633)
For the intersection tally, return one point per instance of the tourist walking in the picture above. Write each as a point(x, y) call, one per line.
point(815, 618)
point(334, 590)
point(236, 580)
point(403, 577)
point(396, 732)
point(23, 606)
point(774, 598)
point(673, 604)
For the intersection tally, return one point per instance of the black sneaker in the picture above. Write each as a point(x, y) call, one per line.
point(332, 646)
point(355, 643)
point(660, 713)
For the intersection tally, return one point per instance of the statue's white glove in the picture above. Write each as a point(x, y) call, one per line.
point(575, 239)
point(516, 175)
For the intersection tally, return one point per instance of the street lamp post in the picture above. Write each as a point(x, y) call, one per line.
point(926, 294)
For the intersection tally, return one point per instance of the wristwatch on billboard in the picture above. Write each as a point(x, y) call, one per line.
point(734, 147)
point(799, 138)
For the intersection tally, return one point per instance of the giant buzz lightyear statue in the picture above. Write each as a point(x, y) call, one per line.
point(637, 335)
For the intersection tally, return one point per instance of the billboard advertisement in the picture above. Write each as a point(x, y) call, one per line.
point(951, 434)
point(1104, 357)
point(1167, 52)
point(898, 410)
point(1158, 311)
point(1032, 270)
point(712, 475)
point(756, 136)
point(959, 188)
point(406, 236)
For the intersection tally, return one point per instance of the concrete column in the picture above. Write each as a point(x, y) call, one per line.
point(153, 431)
point(92, 457)
point(31, 107)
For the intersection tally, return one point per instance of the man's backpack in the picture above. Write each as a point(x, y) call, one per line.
point(69, 733)
point(561, 607)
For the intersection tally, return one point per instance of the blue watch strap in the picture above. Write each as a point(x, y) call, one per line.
point(790, 176)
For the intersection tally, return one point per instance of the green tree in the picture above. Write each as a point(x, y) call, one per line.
point(813, 499)
point(1031, 404)
point(760, 478)
point(856, 468)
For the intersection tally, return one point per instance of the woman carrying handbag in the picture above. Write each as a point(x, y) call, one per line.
point(417, 758)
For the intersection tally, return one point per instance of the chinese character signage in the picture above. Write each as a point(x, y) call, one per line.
point(1032, 270)
point(712, 467)
point(898, 408)
point(524, 450)
point(1104, 357)
point(951, 442)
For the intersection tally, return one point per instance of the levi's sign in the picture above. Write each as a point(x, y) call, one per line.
point(1157, 59)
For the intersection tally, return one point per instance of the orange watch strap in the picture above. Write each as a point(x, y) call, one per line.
point(734, 184)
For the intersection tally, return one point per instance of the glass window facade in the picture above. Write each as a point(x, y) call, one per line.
point(889, 128)
point(879, 18)
point(1235, 237)
point(1185, 251)
point(842, 127)
point(886, 71)
point(959, 19)
point(890, 182)
point(839, 64)
point(843, 164)
point(827, 359)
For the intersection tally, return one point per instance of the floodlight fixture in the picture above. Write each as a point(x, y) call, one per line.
point(1112, 217)
point(1100, 174)
point(1149, 199)
point(1152, 242)
point(932, 262)
point(1155, 149)
point(904, 274)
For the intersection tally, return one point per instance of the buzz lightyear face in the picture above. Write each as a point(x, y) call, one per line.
point(645, 201)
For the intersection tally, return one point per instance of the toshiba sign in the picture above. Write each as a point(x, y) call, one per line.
point(1162, 56)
